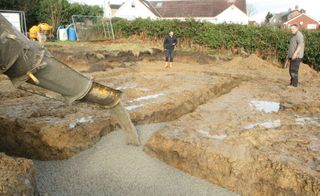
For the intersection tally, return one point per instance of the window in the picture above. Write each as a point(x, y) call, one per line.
point(159, 4)
point(311, 26)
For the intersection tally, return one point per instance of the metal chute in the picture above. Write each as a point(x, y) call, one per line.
point(23, 61)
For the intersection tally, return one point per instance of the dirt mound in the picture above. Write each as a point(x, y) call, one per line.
point(17, 176)
point(253, 62)
point(40, 128)
point(307, 70)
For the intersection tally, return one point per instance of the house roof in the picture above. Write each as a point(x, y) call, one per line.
point(300, 16)
point(284, 17)
point(115, 6)
point(279, 18)
point(193, 8)
point(151, 7)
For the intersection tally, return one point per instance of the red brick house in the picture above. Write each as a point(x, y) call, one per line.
point(296, 16)
point(304, 21)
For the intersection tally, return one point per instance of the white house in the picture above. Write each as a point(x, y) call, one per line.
point(232, 15)
point(215, 11)
point(107, 12)
point(133, 9)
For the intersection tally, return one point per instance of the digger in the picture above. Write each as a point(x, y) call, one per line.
point(25, 61)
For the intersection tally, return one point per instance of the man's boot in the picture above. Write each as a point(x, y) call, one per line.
point(166, 65)
point(170, 64)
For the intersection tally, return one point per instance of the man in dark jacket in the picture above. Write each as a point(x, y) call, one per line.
point(169, 43)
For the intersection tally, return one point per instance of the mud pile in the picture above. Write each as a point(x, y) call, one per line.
point(255, 140)
point(17, 176)
point(46, 129)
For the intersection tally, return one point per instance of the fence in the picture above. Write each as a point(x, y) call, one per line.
point(91, 28)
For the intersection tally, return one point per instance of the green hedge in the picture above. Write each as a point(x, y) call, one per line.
point(267, 41)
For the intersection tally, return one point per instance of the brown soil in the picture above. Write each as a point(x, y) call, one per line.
point(102, 60)
point(17, 176)
point(209, 104)
point(229, 143)
point(40, 128)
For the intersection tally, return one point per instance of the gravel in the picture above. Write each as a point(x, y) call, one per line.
point(113, 168)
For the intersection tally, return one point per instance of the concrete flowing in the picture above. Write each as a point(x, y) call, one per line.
point(113, 168)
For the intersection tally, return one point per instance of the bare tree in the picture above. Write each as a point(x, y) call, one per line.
point(53, 11)
point(251, 9)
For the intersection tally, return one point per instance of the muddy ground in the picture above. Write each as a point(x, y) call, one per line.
point(234, 123)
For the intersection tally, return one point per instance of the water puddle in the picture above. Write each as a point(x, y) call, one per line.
point(149, 97)
point(308, 120)
point(78, 121)
point(208, 135)
point(133, 107)
point(267, 125)
point(265, 106)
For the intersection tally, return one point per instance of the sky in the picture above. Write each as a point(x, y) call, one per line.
point(260, 7)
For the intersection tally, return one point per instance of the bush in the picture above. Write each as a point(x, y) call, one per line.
point(269, 41)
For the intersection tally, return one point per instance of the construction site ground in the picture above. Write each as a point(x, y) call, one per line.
point(213, 124)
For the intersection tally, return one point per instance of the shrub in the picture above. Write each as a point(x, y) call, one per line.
point(270, 41)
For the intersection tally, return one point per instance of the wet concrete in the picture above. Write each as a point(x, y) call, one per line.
point(113, 168)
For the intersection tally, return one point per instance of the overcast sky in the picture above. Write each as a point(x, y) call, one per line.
point(261, 7)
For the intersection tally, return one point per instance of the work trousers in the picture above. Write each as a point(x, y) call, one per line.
point(294, 71)
point(169, 54)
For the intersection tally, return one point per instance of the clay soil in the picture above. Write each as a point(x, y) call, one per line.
point(233, 123)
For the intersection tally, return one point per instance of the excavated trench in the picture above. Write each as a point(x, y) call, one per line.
point(217, 129)
point(35, 127)
point(48, 130)
point(258, 143)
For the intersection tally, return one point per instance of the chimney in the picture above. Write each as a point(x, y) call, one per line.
point(289, 10)
point(296, 7)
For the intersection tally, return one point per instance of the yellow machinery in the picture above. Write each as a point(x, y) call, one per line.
point(43, 28)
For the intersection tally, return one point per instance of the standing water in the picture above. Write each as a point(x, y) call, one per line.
point(124, 120)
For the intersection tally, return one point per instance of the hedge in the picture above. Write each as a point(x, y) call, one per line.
point(265, 40)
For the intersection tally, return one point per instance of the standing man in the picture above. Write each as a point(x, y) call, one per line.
point(295, 54)
point(170, 41)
